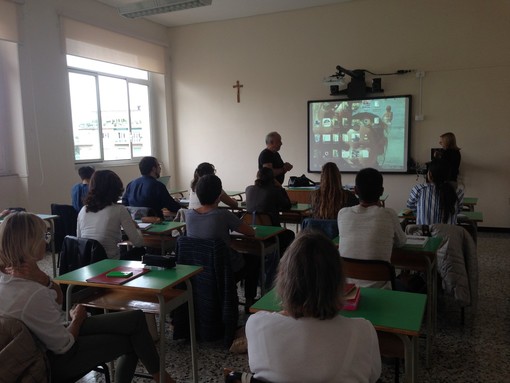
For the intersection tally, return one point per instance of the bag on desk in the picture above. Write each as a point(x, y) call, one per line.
point(301, 181)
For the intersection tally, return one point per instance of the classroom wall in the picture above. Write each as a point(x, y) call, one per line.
point(44, 169)
point(281, 60)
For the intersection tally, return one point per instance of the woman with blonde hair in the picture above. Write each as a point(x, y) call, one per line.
point(331, 196)
point(310, 284)
point(29, 295)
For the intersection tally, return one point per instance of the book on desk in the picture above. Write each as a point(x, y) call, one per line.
point(351, 297)
point(416, 240)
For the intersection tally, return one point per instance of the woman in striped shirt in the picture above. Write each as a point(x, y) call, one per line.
point(437, 201)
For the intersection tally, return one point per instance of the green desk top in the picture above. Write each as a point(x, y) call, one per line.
point(387, 310)
point(474, 216)
point(470, 200)
point(299, 208)
point(261, 232)
point(164, 227)
point(234, 192)
point(304, 188)
point(430, 247)
point(155, 280)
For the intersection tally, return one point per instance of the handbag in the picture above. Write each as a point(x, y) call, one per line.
point(301, 181)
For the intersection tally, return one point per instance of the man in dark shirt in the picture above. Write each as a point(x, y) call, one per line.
point(147, 191)
point(270, 158)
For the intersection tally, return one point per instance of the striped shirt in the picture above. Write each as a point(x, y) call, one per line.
point(424, 202)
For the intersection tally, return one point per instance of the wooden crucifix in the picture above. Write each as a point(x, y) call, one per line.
point(238, 86)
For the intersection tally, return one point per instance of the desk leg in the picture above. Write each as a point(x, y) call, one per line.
point(411, 357)
point(69, 303)
point(162, 339)
point(193, 340)
point(262, 278)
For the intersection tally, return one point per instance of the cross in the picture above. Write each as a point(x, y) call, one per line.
point(238, 86)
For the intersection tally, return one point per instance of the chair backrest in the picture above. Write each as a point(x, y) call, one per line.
point(327, 226)
point(21, 357)
point(214, 290)
point(369, 270)
point(256, 218)
point(79, 252)
point(65, 224)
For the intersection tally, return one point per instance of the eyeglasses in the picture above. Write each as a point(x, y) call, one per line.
point(47, 237)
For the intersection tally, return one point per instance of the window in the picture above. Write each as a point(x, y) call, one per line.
point(110, 110)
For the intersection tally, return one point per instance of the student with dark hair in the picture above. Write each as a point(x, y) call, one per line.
point(210, 222)
point(102, 218)
point(269, 197)
point(331, 196)
point(203, 169)
point(29, 295)
point(80, 190)
point(436, 201)
point(147, 191)
point(282, 346)
point(368, 230)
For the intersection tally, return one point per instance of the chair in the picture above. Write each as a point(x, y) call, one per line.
point(327, 226)
point(214, 291)
point(65, 224)
point(79, 252)
point(369, 270)
point(232, 376)
point(256, 218)
point(22, 358)
point(390, 345)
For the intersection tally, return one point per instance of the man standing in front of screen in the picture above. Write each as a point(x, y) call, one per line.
point(270, 158)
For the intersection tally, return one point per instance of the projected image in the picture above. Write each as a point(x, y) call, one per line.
point(356, 134)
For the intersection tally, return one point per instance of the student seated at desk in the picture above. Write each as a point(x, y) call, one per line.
point(436, 201)
point(203, 169)
point(103, 219)
point(331, 196)
point(209, 222)
point(29, 295)
point(269, 197)
point(325, 346)
point(367, 230)
point(79, 191)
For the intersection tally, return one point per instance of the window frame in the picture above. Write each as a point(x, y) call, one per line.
point(128, 80)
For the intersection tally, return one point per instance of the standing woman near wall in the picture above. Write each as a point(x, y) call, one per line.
point(449, 154)
point(331, 196)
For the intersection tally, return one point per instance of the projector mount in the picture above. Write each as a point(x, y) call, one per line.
point(357, 88)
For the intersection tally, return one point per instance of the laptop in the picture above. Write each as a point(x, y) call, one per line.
point(164, 180)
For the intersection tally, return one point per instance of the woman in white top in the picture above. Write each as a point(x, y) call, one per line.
point(29, 295)
point(308, 341)
point(203, 169)
point(102, 218)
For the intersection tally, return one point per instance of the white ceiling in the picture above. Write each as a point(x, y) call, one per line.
point(226, 9)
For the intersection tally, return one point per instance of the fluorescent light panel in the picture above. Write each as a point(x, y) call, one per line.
point(154, 7)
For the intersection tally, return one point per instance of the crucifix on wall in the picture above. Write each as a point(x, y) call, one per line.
point(238, 86)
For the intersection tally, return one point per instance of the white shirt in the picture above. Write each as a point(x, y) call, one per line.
point(284, 349)
point(35, 305)
point(369, 233)
point(105, 227)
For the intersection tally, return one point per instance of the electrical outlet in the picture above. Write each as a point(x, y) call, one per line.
point(420, 74)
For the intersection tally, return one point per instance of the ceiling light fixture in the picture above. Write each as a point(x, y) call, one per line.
point(154, 7)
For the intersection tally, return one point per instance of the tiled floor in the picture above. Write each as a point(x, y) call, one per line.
point(478, 351)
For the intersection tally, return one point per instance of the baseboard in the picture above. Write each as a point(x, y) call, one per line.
point(486, 229)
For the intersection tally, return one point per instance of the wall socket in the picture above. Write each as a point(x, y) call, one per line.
point(420, 74)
